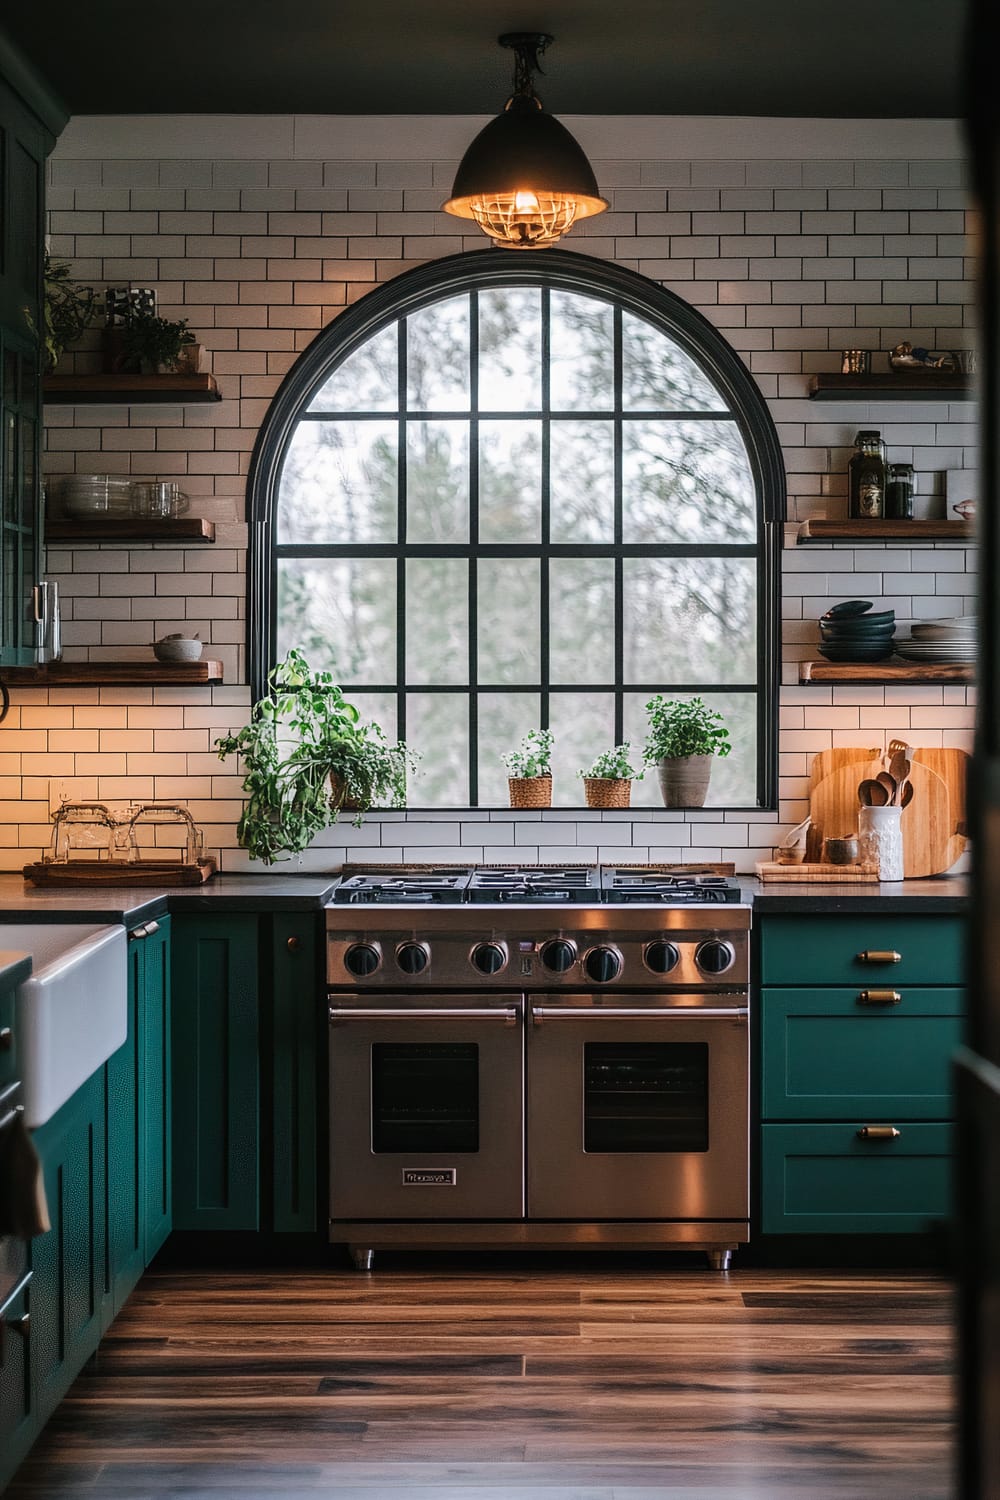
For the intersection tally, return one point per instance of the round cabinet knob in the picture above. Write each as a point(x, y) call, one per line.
point(362, 959)
point(413, 958)
point(558, 955)
point(714, 956)
point(488, 958)
point(603, 964)
point(661, 957)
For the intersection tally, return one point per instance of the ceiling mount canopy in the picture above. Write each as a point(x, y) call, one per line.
point(524, 179)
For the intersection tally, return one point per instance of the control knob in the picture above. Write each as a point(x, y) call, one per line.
point(714, 956)
point(488, 958)
point(558, 955)
point(661, 957)
point(603, 964)
point(413, 958)
point(362, 959)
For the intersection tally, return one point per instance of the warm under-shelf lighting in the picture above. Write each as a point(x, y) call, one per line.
point(524, 179)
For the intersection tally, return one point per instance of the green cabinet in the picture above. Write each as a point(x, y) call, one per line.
point(17, 1405)
point(859, 1017)
point(246, 1018)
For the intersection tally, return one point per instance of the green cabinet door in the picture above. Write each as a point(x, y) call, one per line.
point(847, 949)
point(155, 1197)
point(295, 1015)
point(216, 1103)
point(69, 1262)
point(17, 1420)
point(124, 1070)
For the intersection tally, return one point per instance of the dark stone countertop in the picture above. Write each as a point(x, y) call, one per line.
point(13, 968)
point(942, 893)
point(134, 904)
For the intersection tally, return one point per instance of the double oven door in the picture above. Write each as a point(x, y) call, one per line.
point(576, 1107)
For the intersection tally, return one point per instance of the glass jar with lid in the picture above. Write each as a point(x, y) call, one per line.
point(866, 478)
point(899, 493)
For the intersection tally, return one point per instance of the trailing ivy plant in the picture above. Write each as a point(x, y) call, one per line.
point(681, 728)
point(613, 765)
point(305, 754)
point(68, 310)
point(533, 757)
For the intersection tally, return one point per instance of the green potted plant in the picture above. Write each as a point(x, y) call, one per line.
point(153, 345)
point(681, 740)
point(306, 755)
point(529, 770)
point(608, 781)
point(68, 310)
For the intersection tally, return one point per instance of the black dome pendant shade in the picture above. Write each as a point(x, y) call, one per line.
point(524, 179)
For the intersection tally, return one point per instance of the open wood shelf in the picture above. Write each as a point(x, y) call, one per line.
point(954, 674)
point(115, 674)
point(817, 531)
point(934, 385)
point(129, 390)
point(183, 529)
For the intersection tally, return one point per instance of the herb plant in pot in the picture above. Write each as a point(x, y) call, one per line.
point(608, 782)
point(529, 770)
point(305, 754)
point(153, 345)
point(681, 740)
point(69, 310)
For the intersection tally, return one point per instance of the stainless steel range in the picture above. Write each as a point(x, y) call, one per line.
point(538, 1057)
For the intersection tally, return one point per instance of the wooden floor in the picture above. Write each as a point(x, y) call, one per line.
point(554, 1381)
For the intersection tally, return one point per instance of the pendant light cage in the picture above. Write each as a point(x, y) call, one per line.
point(524, 179)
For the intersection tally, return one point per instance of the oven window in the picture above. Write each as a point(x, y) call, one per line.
point(645, 1096)
point(425, 1097)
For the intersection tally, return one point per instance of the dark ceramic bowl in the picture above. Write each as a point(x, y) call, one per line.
point(847, 609)
point(859, 622)
point(864, 653)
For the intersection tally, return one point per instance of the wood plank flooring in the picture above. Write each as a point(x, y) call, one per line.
point(559, 1380)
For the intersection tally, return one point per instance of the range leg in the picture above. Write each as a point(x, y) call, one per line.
point(362, 1256)
point(720, 1260)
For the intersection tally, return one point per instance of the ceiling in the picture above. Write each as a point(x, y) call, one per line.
point(844, 58)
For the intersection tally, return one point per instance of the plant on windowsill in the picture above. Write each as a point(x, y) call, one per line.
point(608, 782)
point(529, 770)
point(305, 756)
point(681, 740)
point(152, 345)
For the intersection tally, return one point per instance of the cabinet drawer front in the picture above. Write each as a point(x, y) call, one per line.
point(825, 1056)
point(825, 1179)
point(8, 1038)
point(828, 950)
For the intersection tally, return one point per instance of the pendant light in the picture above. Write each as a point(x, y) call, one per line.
point(524, 179)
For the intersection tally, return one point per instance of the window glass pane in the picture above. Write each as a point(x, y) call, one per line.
point(584, 726)
point(645, 1096)
point(508, 606)
point(687, 482)
point(341, 612)
point(510, 349)
point(339, 483)
point(437, 482)
point(690, 619)
point(377, 708)
point(582, 353)
point(734, 776)
point(367, 380)
point(510, 481)
point(504, 720)
point(582, 620)
point(437, 357)
point(657, 375)
point(437, 725)
point(437, 619)
point(582, 481)
point(425, 1097)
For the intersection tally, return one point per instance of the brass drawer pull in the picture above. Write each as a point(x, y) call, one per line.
point(292, 944)
point(878, 1133)
point(879, 997)
point(880, 956)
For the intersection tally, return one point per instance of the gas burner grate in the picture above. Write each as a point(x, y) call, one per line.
point(563, 886)
point(385, 888)
point(624, 886)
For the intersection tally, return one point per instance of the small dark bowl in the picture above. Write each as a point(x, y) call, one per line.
point(857, 653)
point(877, 633)
point(857, 622)
point(848, 609)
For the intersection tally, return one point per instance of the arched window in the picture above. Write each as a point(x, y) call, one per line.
point(512, 491)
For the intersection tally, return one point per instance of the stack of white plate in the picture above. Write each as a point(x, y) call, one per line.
point(940, 640)
point(108, 495)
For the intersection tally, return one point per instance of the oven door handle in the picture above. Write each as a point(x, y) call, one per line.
point(540, 1013)
point(509, 1015)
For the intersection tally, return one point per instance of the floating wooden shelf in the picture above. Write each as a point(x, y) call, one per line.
point(115, 674)
point(129, 390)
point(935, 385)
point(953, 674)
point(817, 531)
point(183, 529)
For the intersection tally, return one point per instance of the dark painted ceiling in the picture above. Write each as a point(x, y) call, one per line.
point(719, 57)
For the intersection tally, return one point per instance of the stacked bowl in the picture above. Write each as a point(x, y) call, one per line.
point(948, 640)
point(849, 633)
point(96, 495)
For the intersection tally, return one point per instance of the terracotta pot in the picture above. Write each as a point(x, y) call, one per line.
point(530, 791)
point(684, 780)
point(603, 791)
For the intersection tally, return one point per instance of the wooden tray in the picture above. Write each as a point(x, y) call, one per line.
point(768, 871)
point(160, 872)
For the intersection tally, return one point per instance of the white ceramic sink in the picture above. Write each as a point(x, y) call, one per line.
point(72, 1013)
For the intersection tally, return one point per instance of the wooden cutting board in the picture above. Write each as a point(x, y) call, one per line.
point(927, 823)
point(825, 762)
point(770, 870)
point(953, 768)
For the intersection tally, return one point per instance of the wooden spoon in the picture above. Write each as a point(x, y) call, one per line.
point(872, 794)
point(906, 796)
point(889, 782)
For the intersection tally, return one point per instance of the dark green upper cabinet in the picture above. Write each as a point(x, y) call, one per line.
point(29, 123)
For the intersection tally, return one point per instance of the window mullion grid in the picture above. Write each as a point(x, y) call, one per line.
point(473, 610)
point(401, 536)
point(619, 565)
point(543, 562)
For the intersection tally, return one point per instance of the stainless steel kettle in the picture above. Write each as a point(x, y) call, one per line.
point(48, 636)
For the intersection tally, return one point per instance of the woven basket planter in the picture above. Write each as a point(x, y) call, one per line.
point(602, 791)
point(530, 791)
point(339, 800)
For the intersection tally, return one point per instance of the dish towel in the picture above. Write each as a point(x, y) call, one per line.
point(23, 1209)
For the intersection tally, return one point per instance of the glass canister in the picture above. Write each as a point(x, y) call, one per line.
point(866, 478)
point(899, 493)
